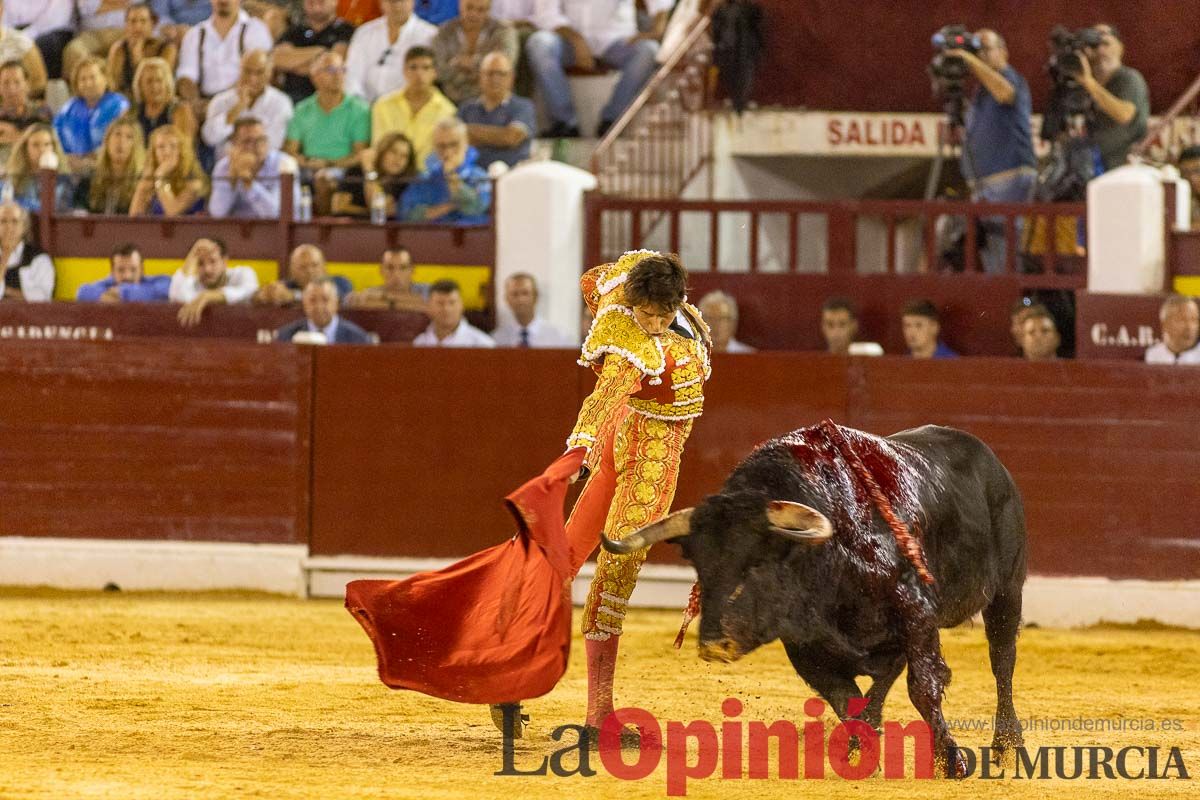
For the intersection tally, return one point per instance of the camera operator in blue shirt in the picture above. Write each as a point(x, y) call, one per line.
point(997, 156)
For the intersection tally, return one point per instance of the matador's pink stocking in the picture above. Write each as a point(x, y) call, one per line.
point(601, 666)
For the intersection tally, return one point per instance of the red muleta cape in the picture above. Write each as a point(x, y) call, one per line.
point(496, 626)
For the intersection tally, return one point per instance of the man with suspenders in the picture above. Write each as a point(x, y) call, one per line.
point(211, 53)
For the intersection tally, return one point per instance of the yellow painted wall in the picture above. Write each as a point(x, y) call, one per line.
point(74, 272)
point(1189, 285)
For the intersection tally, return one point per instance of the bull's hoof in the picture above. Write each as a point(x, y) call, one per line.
point(630, 739)
point(510, 713)
point(952, 763)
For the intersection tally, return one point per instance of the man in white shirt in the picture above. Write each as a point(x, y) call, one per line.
point(514, 11)
point(206, 279)
point(375, 58)
point(448, 327)
point(720, 311)
point(210, 55)
point(1180, 318)
point(527, 329)
point(252, 96)
point(49, 23)
point(581, 33)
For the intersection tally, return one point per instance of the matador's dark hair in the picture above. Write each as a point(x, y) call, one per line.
point(658, 280)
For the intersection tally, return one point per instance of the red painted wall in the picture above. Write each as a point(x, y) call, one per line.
point(871, 55)
point(395, 451)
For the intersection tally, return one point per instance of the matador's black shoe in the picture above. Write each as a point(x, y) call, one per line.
point(505, 715)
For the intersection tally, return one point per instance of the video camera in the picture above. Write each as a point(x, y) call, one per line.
point(948, 72)
point(1068, 98)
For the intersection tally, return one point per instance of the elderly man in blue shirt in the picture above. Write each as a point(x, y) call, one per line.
point(500, 125)
point(246, 181)
point(453, 187)
point(127, 282)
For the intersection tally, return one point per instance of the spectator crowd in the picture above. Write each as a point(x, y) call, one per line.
point(388, 109)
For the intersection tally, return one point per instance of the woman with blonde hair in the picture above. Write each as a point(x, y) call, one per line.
point(110, 188)
point(20, 182)
point(171, 182)
point(81, 123)
point(154, 101)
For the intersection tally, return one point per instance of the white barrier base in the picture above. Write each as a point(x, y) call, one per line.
point(1051, 602)
point(151, 565)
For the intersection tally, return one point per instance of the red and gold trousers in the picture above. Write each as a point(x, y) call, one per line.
point(633, 486)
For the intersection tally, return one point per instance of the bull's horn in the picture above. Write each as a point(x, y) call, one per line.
point(798, 522)
point(668, 527)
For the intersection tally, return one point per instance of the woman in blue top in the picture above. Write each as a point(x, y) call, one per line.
point(81, 123)
point(21, 183)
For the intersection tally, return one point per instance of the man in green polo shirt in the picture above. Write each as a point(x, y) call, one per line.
point(328, 129)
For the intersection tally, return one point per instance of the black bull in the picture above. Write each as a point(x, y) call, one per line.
point(826, 573)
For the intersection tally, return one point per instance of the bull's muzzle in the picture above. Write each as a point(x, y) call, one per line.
point(723, 650)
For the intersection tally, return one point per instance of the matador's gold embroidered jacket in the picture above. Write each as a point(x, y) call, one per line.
point(661, 377)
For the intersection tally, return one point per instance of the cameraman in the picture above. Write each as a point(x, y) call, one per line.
point(1120, 95)
point(998, 152)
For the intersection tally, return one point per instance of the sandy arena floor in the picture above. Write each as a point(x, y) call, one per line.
point(215, 696)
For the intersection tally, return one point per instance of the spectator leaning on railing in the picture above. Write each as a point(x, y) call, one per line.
point(453, 187)
point(320, 302)
point(127, 281)
point(305, 265)
point(206, 279)
point(1180, 318)
point(246, 182)
point(398, 292)
point(110, 188)
point(998, 153)
point(28, 271)
point(389, 168)
point(1120, 95)
point(27, 156)
point(171, 183)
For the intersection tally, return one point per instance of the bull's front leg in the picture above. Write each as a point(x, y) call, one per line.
point(928, 675)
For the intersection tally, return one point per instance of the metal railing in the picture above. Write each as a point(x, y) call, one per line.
point(1166, 124)
point(892, 237)
point(663, 141)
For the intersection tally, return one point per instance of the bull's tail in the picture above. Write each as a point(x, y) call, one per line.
point(909, 545)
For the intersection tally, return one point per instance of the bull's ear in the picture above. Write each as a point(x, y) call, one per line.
point(798, 522)
point(672, 526)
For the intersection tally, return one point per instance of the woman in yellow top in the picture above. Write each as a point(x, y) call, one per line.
point(650, 351)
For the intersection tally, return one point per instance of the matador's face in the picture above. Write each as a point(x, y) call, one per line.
point(653, 319)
